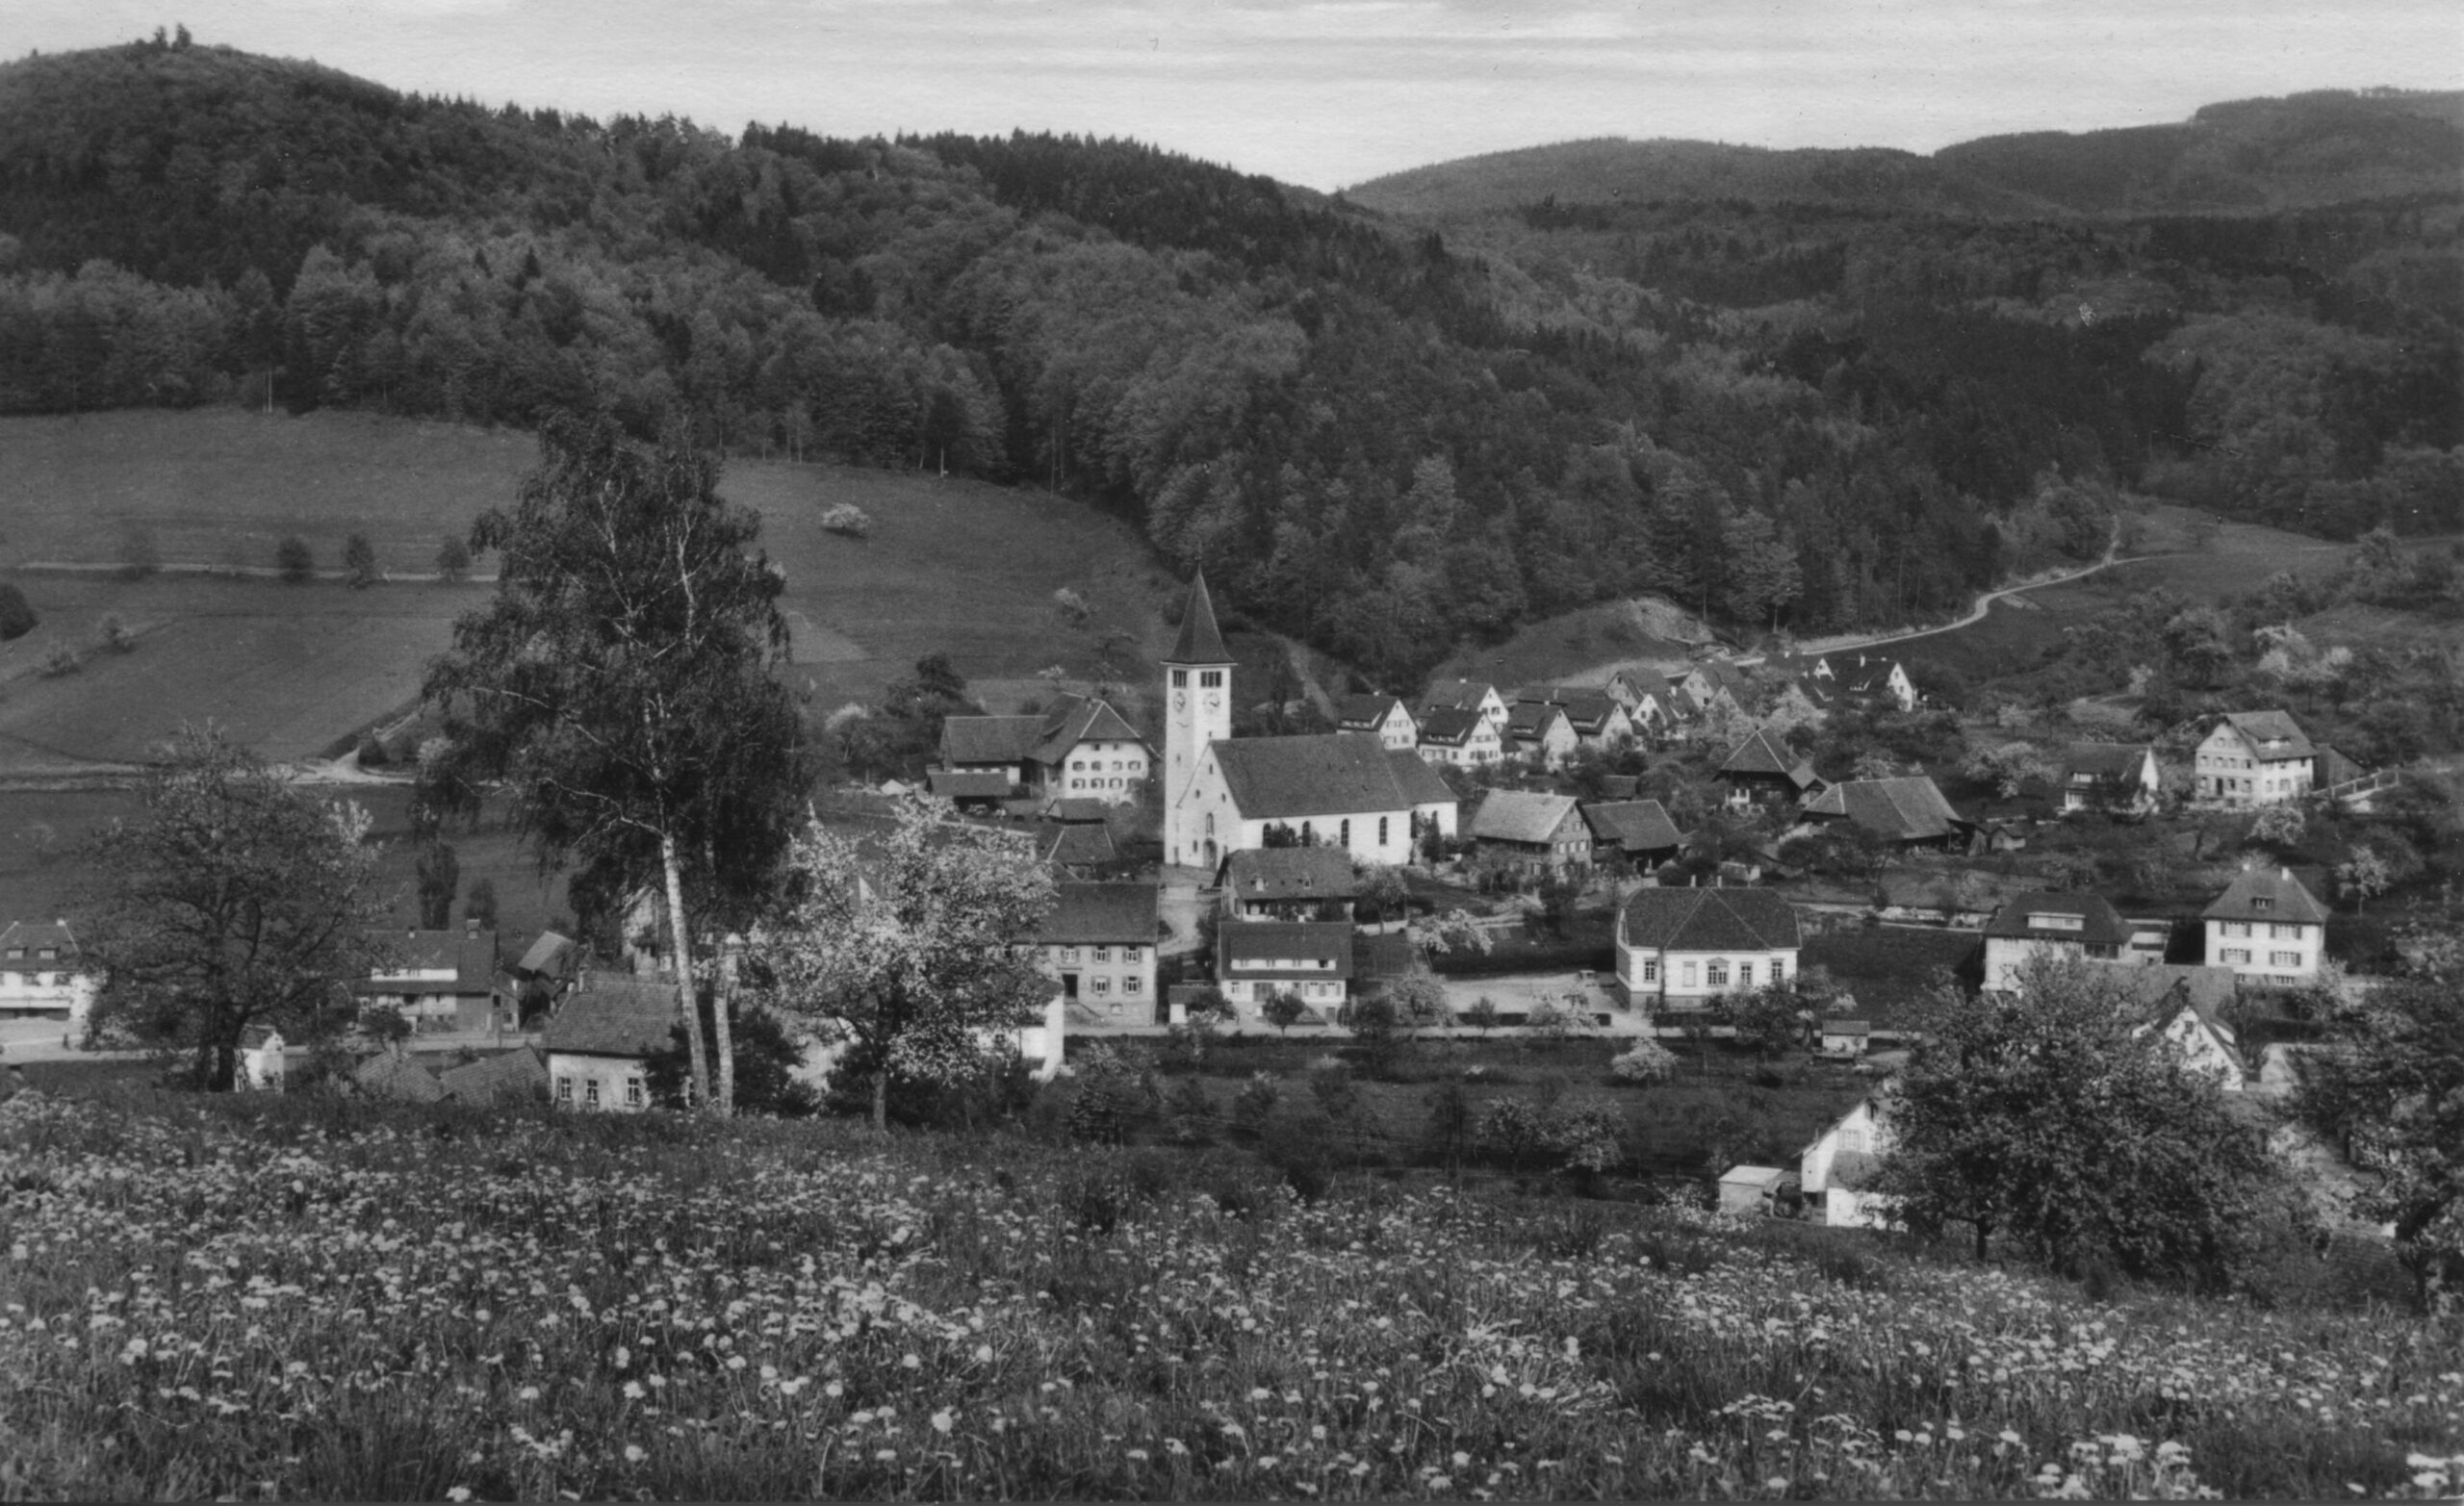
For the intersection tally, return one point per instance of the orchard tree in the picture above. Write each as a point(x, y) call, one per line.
point(917, 953)
point(232, 900)
point(621, 685)
point(1769, 1019)
point(2364, 876)
point(2391, 1092)
point(1283, 1009)
point(2046, 1116)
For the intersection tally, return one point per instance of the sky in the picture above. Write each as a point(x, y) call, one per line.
point(1329, 94)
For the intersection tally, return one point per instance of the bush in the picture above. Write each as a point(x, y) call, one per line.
point(359, 560)
point(112, 634)
point(293, 561)
point(1648, 1061)
point(1255, 1104)
point(848, 521)
point(1071, 606)
point(1114, 1091)
point(58, 659)
point(17, 614)
point(453, 558)
point(371, 753)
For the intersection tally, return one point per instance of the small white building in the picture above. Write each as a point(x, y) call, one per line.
point(2253, 758)
point(1677, 949)
point(602, 1036)
point(1541, 733)
point(264, 1065)
point(1747, 1191)
point(1099, 946)
point(2266, 929)
point(1465, 695)
point(1309, 960)
point(42, 974)
point(2047, 923)
point(1840, 1169)
point(2112, 777)
point(441, 980)
point(1383, 717)
point(1464, 738)
point(2206, 1044)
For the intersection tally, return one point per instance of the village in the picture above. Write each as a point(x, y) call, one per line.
point(1650, 858)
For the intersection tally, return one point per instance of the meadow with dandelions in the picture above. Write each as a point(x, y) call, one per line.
point(293, 1298)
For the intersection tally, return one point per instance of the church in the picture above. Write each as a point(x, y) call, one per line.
point(1224, 796)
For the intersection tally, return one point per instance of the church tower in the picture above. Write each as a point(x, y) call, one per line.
point(1198, 710)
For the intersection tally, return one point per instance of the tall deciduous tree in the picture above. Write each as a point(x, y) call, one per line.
point(621, 685)
point(233, 901)
point(2046, 1116)
point(915, 952)
point(2392, 1092)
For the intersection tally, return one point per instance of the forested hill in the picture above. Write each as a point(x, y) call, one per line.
point(1382, 440)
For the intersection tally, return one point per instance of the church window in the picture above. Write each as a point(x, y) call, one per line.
point(1210, 680)
point(1180, 680)
point(1344, 840)
point(1381, 830)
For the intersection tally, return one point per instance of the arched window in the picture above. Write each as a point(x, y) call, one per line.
point(1381, 830)
point(1308, 834)
point(1210, 822)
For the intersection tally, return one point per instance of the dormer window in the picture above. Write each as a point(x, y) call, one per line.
point(2057, 922)
point(2262, 903)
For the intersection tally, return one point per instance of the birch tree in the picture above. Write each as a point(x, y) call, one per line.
point(621, 687)
point(917, 953)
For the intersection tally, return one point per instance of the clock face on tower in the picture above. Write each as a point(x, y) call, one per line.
point(1213, 701)
point(1180, 699)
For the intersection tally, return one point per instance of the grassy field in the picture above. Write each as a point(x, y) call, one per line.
point(304, 1297)
point(951, 566)
point(1577, 645)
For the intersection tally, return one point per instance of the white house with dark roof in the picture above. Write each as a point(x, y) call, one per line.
point(2252, 758)
point(1598, 719)
point(1839, 1169)
point(1330, 790)
point(1530, 829)
point(2048, 923)
point(2267, 928)
point(1465, 695)
point(1460, 736)
point(1762, 770)
point(1098, 947)
point(1713, 682)
point(1539, 730)
point(1290, 883)
point(1383, 717)
point(1310, 959)
point(600, 1036)
point(441, 981)
point(1079, 745)
point(1676, 949)
point(42, 973)
point(2112, 777)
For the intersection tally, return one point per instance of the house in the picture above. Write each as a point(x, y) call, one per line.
point(1906, 811)
point(1846, 1038)
point(1383, 717)
point(1530, 831)
point(545, 971)
point(2206, 1044)
point(1636, 831)
point(1290, 883)
point(1331, 790)
point(2113, 776)
point(1840, 1168)
point(441, 981)
point(519, 1076)
point(2045, 923)
point(1631, 688)
point(1080, 849)
point(265, 1061)
point(1539, 731)
point(2252, 758)
point(1464, 738)
point(1598, 719)
point(1713, 683)
point(1098, 945)
point(1760, 771)
point(1748, 1190)
point(1463, 694)
point(2266, 929)
point(393, 1073)
point(1877, 682)
point(1078, 746)
point(42, 974)
point(1679, 948)
point(971, 789)
point(599, 1040)
point(1648, 714)
point(1311, 960)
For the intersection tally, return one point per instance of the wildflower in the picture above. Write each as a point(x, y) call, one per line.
point(460, 1493)
point(943, 1421)
point(636, 1453)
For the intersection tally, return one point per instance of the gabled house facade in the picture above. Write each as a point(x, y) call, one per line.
point(1539, 732)
point(1329, 790)
point(1462, 737)
point(1598, 719)
point(1760, 771)
point(1464, 695)
point(1290, 883)
point(2045, 923)
point(1532, 832)
point(1383, 717)
point(1840, 1169)
point(1309, 960)
point(442, 981)
point(598, 1041)
point(2266, 929)
point(1677, 949)
point(1079, 746)
point(43, 974)
point(2120, 778)
point(1099, 946)
point(2252, 758)
point(1711, 682)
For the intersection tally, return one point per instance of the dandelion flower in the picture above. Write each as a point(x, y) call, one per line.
point(943, 1421)
point(636, 1453)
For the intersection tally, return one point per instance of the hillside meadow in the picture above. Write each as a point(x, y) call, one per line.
point(950, 566)
point(302, 1297)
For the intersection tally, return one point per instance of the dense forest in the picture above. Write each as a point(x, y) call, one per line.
point(1814, 407)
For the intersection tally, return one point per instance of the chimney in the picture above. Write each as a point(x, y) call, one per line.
point(2285, 874)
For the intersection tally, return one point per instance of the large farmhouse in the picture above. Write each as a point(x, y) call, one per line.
point(1080, 748)
point(1224, 795)
point(2253, 758)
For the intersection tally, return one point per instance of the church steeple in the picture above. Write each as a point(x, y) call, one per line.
point(1197, 701)
point(1199, 642)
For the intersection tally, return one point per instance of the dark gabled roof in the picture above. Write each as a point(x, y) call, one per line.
point(1365, 712)
point(1522, 816)
point(471, 955)
point(1275, 779)
point(1720, 674)
point(550, 953)
point(2334, 768)
point(1759, 755)
point(990, 739)
point(1905, 808)
point(2287, 901)
point(614, 1014)
point(1636, 826)
point(1074, 719)
point(1245, 948)
point(2261, 727)
point(393, 1074)
point(1449, 724)
point(2103, 760)
point(1708, 920)
point(2099, 924)
point(954, 786)
point(1200, 642)
point(1420, 783)
point(1529, 719)
point(1077, 811)
point(1457, 694)
point(2163, 989)
point(511, 1074)
point(1292, 873)
point(35, 934)
point(1075, 844)
point(1101, 914)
